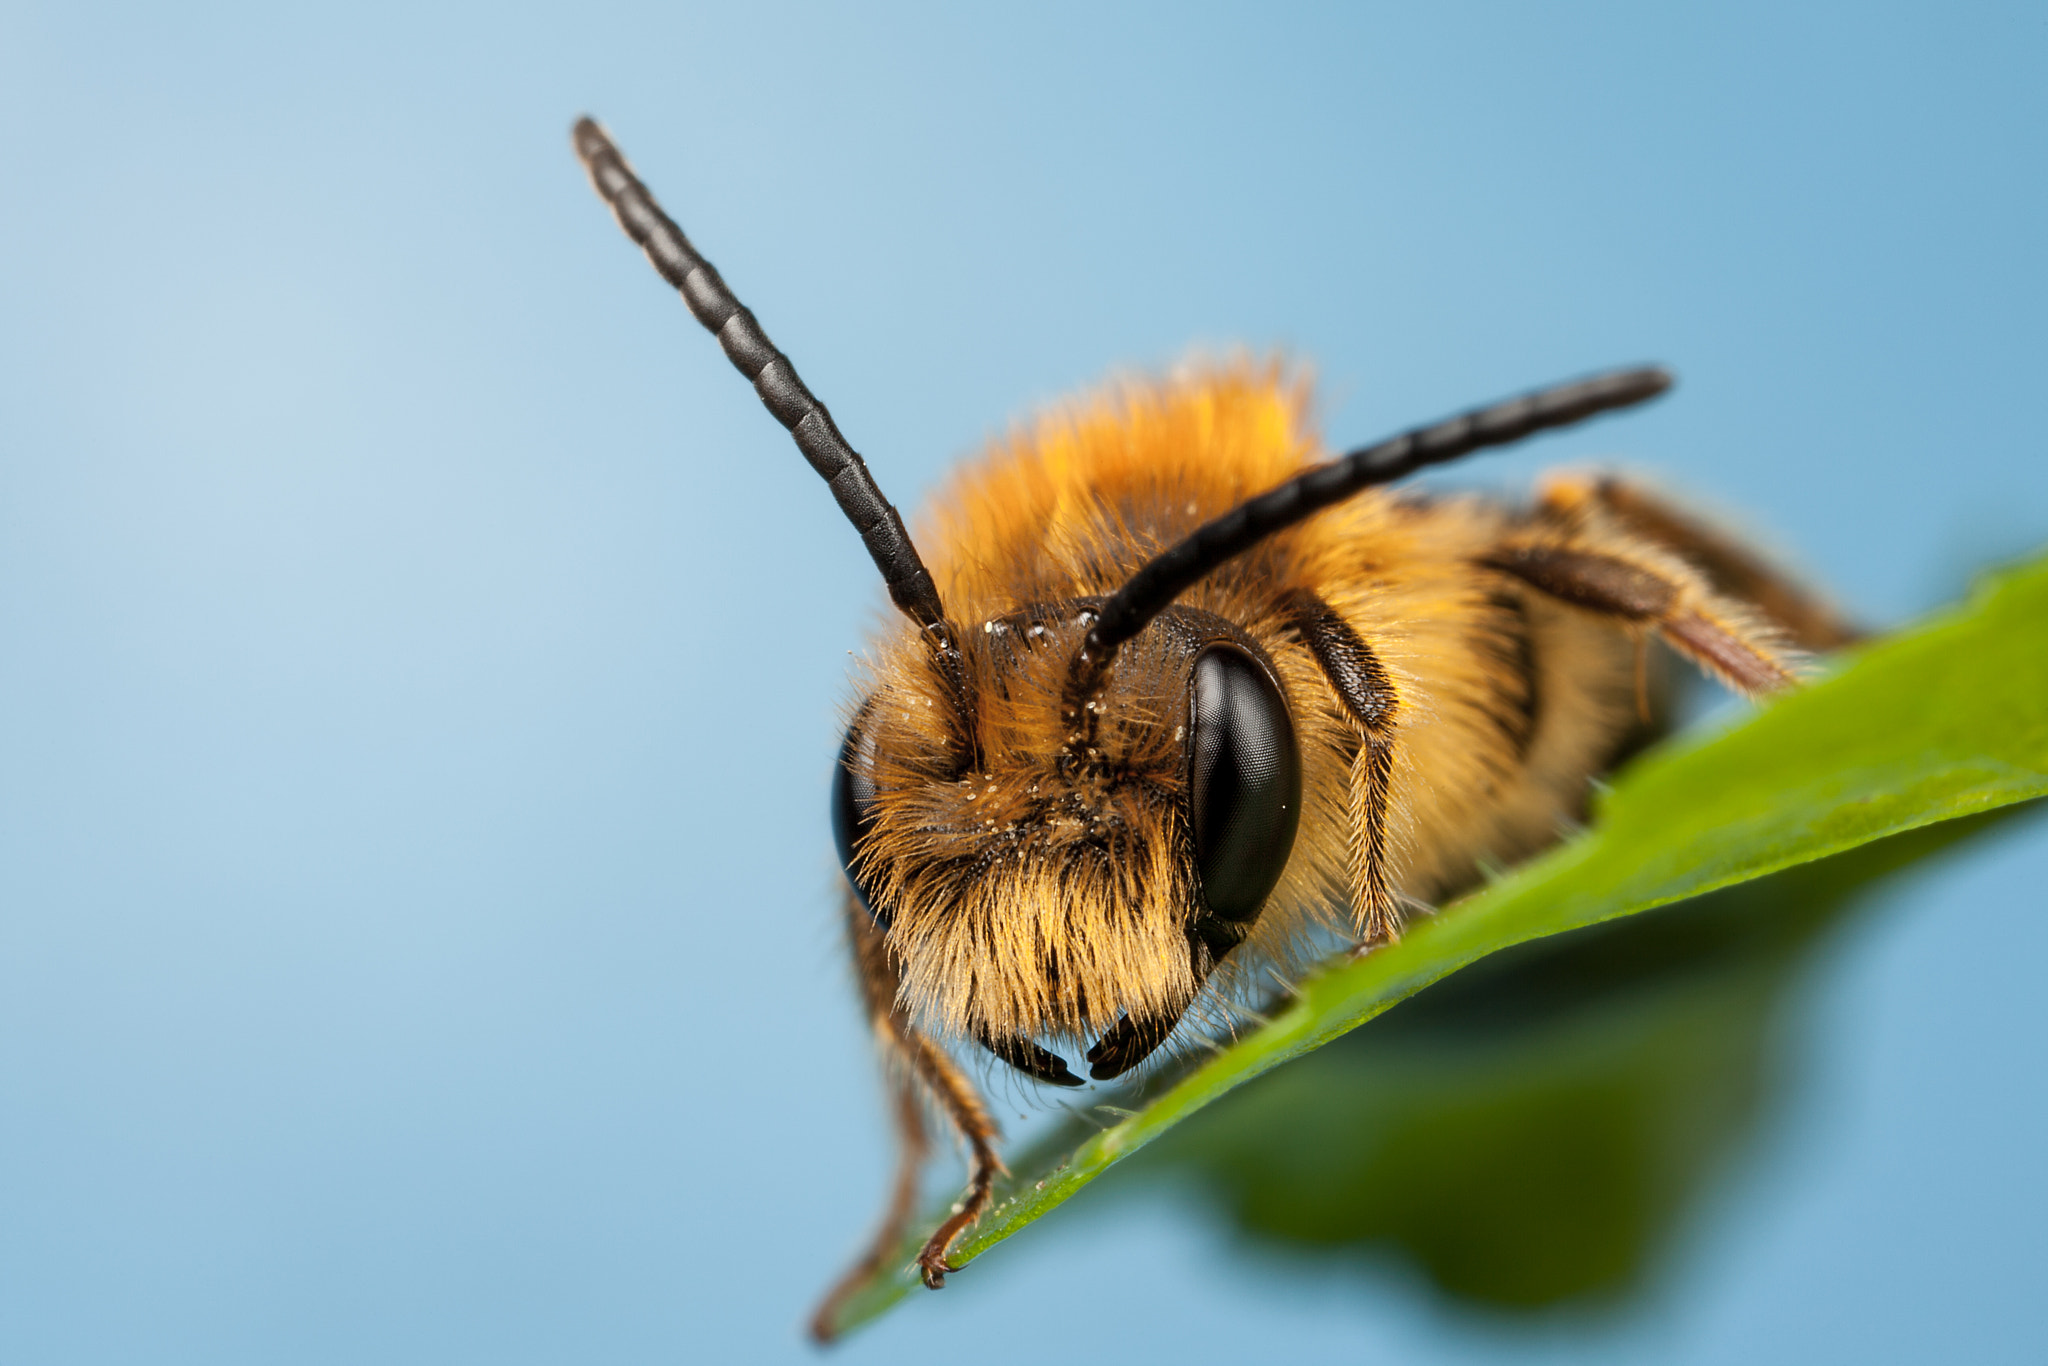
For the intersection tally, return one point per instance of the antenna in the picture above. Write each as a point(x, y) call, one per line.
point(1179, 567)
point(773, 377)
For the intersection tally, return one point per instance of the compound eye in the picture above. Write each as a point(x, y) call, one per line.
point(853, 804)
point(1245, 788)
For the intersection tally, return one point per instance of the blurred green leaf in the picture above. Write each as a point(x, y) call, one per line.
point(1940, 722)
point(1532, 1130)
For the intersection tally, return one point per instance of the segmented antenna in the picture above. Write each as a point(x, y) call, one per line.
point(1173, 571)
point(773, 377)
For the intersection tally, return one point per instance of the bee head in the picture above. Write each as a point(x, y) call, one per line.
point(1037, 882)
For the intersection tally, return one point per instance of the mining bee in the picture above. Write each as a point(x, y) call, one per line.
point(1174, 689)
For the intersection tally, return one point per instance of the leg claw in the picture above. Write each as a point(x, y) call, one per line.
point(1366, 946)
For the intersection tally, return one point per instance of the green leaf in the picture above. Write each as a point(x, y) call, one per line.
point(1535, 1129)
point(1940, 722)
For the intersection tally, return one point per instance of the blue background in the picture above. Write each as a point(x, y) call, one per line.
point(419, 653)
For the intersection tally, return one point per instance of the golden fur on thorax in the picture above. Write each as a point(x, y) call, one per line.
point(1030, 898)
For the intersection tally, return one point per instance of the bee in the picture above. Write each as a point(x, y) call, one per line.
point(1174, 689)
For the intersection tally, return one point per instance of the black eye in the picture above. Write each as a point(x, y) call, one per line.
point(1245, 773)
point(853, 803)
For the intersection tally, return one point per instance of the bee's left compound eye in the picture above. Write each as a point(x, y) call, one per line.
point(853, 805)
point(1245, 781)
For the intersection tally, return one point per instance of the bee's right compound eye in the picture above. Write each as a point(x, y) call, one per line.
point(853, 805)
point(1245, 781)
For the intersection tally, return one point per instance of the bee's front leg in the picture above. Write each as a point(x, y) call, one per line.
point(961, 1104)
point(920, 1073)
point(1370, 702)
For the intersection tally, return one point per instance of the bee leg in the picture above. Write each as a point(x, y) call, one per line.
point(1731, 568)
point(1367, 692)
point(1636, 584)
point(920, 1071)
point(957, 1099)
point(912, 1146)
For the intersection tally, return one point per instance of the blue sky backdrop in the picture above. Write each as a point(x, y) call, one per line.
point(419, 654)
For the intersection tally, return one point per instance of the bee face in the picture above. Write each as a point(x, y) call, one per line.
point(1035, 878)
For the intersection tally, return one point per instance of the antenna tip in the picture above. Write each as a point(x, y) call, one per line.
point(587, 136)
point(1650, 380)
point(1615, 389)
